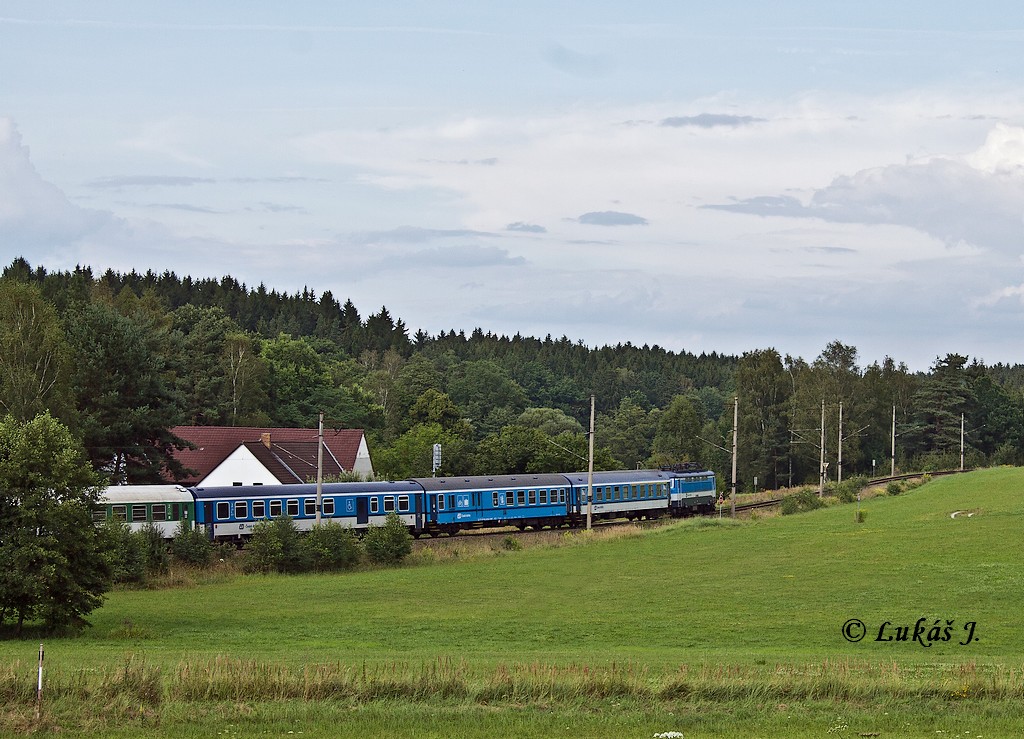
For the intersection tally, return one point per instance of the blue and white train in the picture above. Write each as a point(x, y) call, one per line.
point(447, 505)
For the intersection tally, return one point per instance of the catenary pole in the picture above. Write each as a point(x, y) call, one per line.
point(319, 467)
point(892, 468)
point(735, 430)
point(590, 468)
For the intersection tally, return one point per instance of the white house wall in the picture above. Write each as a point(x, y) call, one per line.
point(362, 464)
point(240, 467)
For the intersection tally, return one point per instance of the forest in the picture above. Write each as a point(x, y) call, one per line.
point(122, 358)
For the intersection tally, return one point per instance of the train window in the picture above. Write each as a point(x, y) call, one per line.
point(259, 509)
point(159, 512)
point(241, 509)
point(389, 503)
point(292, 506)
point(543, 500)
point(375, 505)
point(494, 500)
point(533, 497)
point(120, 512)
point(275, 508)
point(440, 501)
point(309, 507)
point(403, 502)
point(223, 510)
point(451, 501)
point(236, 484)
point(99, 515)
point(510, 498)
point(138, 513)
point(328, 509)
point(176, 512)
point(561, 495)
point(520, 497)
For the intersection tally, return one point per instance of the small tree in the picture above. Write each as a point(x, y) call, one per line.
point(276, 546)
point(388, 544)
point(331, 546)
point(125, 553)
point(52, 566)
point(190, 545)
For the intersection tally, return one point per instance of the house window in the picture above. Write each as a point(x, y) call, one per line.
point(159, 512)
point(293, 508)
point(258, 509)
point(328, 507)
point(403, 503)
point(224, 510)
point(275, 508)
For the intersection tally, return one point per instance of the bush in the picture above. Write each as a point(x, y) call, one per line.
point(893, 488)
point(154, 549)
point(125, 552)
point(806, 500)
point(388, 544)
point(331, 546)
point(190, 545)
point(276, 546)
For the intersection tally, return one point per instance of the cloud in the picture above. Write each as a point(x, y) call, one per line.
point(526, 228)
point(978, 199)
point(611, 218)
point(416, 235)
point(710, 120)
point(577, 64)
point(32, 210)
point(123, 181)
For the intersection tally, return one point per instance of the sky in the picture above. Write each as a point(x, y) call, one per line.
point(706, 177)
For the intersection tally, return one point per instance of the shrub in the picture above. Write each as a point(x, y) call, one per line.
point(511, 543)
point(331, 546)
point(154, 549)
point(805, 500)
point(190, 545)
point(390, 543)
point(276, 546)
point(893, 488)
point(125, 552)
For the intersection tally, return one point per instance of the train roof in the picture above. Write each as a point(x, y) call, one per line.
point(621, 476)
point(490, 482)
point(122, 494)
point(304, 489)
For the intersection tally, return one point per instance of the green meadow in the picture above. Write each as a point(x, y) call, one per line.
point(704, 627)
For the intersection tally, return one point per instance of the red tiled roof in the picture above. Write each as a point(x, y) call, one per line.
point(293, 448)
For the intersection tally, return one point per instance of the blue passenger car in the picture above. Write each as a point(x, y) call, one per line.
point(628, 494)
point(232, 512)
point(455, 503)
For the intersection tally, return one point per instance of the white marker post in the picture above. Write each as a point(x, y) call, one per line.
point(39, 686)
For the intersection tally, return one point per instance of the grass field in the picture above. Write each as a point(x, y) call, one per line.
point(703, 627)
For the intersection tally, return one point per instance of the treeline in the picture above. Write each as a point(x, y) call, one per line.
point(123, 358)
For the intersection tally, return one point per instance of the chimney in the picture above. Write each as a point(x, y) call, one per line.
point(265, 438)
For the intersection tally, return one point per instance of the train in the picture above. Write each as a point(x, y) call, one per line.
point(431, 506)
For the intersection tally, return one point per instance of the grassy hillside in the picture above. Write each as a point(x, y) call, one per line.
point(707, 600)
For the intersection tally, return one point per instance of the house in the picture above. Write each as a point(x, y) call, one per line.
point(245, 455)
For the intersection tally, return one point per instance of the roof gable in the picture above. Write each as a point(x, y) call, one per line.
point(289, 456)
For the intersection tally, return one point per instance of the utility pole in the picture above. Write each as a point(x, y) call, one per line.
point(821, 458)
point(839, 461)
point(735, 430)
point(961, 442)
point(590, 468)
point(319, 467)
point(892, 469)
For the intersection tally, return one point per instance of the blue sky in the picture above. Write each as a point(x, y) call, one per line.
point(727, 178)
